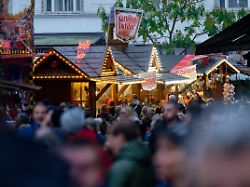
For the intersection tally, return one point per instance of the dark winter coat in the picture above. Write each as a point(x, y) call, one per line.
point(132, 167)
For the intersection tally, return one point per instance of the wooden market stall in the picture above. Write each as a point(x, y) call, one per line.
point(66, 78)
point(212, 72)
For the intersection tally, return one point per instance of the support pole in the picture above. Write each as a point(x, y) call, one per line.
point(114, 93)
point(92, 97)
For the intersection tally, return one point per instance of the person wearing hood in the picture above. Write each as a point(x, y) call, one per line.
point(132, 167)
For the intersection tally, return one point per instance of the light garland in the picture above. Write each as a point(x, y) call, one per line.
point(63, 59)
point(57, 77)
point(119, 66)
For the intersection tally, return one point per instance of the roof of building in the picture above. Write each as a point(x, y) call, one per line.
point(135, 58)
point(211, 64)
point(65, 39)
point(170, 61)
point(234, 38)
point(91, 64)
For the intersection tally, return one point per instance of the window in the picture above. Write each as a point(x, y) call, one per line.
point(222, 3)
point(237, 3)
point(49, 8)
point(63, 5)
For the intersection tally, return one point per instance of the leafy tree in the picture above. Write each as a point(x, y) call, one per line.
point(161, 24)
point(219, 19)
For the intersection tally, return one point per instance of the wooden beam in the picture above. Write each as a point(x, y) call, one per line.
point(92, 97)
point(114, 93)
point(122, 90)
point(103, 91)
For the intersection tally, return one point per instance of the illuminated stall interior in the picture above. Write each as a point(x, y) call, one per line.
point(88, 81)
point(212, 72)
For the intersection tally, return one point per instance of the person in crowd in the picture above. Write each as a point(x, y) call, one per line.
point(225, 155)
point(22, 120)
point(170, 114)
point(197, 98)
point(50, 133)
point(172, 99)
point(132, 167)
point(146, 119)
point(38, 115)
point(136, 105)
point(128, 113)
point(112, 108)
point(115, 117)
point(193, 116)
point(91, 124)
point(105, 115)
point(172, 159)
point(72, 120)
point(156, 120)
point(84, 158)
point(158, 109)
point(26, 164)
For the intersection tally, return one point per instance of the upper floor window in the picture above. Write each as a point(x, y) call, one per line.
point(238, 3)
point(63, 5)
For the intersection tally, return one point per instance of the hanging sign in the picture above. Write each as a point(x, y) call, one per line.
point(150, 80)
point(16, 26)
point(127, 23)
point(189, 72)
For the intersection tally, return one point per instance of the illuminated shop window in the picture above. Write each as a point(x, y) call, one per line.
point(79, 93)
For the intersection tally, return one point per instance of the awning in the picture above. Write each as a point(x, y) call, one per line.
point(244, 69)
point(18, 86)
point(234, 38)
point(119, 79)
point(171, 78)
point(185, 62)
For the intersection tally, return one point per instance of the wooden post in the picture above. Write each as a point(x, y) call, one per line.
point(205, 85)
point(92, 97)
point(114, 93)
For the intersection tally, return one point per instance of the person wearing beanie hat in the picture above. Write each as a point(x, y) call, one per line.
point(73, 120)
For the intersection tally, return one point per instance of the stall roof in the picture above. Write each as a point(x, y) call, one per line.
point(234, 38)
point(135, 58)
point(171, 78)
point(65, 38)
point(18, 86)
point(91, 64)
point(213, 62)
point(170, 61)
point(120, 79)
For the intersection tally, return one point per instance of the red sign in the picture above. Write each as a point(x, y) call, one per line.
point(150, 81)
point(82, 49)
point(127, 23)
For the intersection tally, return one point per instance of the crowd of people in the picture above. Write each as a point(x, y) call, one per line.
point(130, 145)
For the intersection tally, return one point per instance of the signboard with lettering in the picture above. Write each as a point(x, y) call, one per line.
point(127, 23)
point(189, 72)
point(16, 26)
point(150, 81)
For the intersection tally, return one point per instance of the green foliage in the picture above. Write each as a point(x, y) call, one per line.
point(162, 21)
point(219, 19)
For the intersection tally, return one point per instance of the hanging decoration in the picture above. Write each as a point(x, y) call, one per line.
point(228, 93)
point(150, 80)
point(82, 49)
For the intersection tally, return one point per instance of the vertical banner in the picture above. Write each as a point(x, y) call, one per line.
point(16, 26)
point(127, 23)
